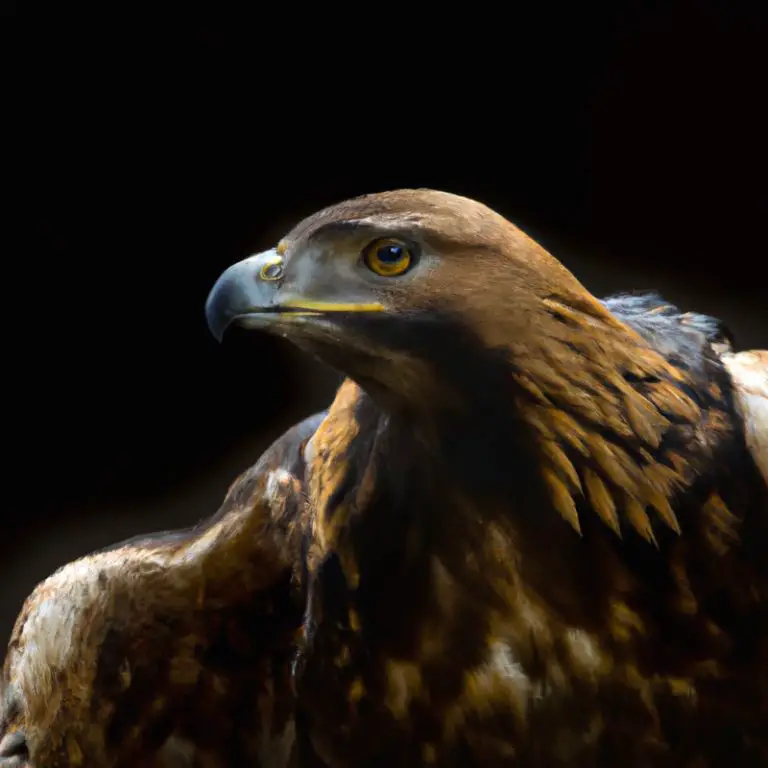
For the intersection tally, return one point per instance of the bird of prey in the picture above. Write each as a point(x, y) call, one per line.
point(531, 530)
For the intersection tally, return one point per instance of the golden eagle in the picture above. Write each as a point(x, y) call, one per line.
point(531, 530)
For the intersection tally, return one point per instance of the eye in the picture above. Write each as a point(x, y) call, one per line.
point(272, 270)
point(388, 258)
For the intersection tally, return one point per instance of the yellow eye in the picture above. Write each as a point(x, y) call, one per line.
point(388, 258)
point(271, 270)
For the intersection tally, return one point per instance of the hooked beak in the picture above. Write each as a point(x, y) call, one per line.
point(249, 293)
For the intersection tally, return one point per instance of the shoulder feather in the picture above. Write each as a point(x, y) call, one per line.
point(749, 375)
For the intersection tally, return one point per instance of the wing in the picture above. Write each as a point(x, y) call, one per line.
point(171, 649)
point(749, 373)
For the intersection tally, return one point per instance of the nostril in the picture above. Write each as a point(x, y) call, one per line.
point(14, 745)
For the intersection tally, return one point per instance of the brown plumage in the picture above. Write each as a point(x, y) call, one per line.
point(531, 529)
point(172, 650)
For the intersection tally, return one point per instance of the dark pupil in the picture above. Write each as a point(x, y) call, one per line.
point(390, 253)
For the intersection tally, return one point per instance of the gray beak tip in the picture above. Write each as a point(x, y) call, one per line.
point(238, 290)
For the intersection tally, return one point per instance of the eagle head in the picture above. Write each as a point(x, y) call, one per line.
point(387, 287)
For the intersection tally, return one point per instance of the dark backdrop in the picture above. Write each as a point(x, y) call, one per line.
point(632, 146)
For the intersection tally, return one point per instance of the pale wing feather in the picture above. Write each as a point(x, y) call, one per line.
point(749, 372)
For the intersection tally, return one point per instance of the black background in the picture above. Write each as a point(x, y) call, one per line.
point(632, 145)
